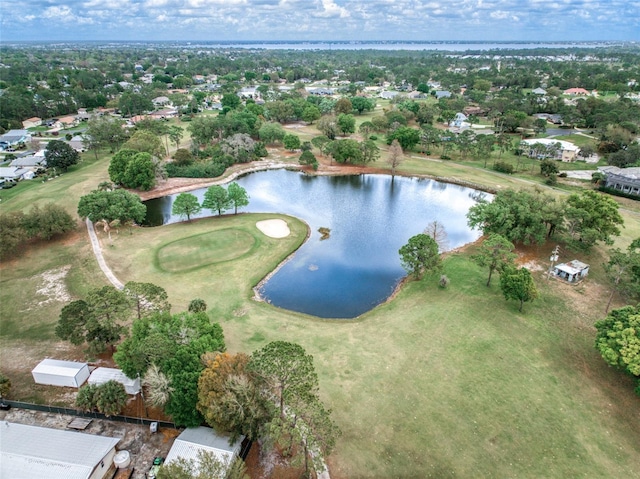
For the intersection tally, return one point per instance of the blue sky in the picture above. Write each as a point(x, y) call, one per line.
point(550, 20)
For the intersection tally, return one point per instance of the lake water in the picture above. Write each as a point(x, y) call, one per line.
point(370, 218)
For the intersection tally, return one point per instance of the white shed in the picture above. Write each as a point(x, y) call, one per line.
point(192, 440)
point(60, 373)
point(103, 375)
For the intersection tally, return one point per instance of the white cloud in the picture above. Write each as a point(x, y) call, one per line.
point(332, 10)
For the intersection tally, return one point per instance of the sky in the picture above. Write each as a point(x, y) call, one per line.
point(259, 20)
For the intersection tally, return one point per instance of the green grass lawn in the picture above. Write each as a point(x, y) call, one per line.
point(435, 383)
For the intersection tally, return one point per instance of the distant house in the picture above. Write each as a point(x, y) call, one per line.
point(554, 118)
point(576, 92)
point(14, 138)
point(319, 91)
point(556, 149)
point(249, 92)
point(160, 101)
point(77, 143)
point(192, 440)
point(539, 91)
point(15, 173)
point(164, 114)
point(28, 452)
point(626, 180)
point(65, 122)
point(459, 120)
point(442, 94)
point(388, 95)
point(32, 122)
point(572, 272)
point(31, 162)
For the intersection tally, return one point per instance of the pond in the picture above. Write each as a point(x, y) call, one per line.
point(369, 216)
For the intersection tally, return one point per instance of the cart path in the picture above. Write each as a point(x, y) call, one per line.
point(95, 244)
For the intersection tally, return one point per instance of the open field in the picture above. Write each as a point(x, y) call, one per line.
point(435, 383)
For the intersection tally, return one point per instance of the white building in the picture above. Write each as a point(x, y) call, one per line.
point(192, 440)
point(31, 452)
point(566, 151)
point(103, 375)
point(60, 373)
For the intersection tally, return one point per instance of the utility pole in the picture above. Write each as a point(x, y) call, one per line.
point(553, 259)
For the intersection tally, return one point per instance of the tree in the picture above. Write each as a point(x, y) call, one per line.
point(308, 158)
point(347, 151)
point(140, 172)
point(618, 340)
point(158, 386)
point(72, 321)
point(291, 142)
point(197, 306)
point(86, 398)
point(47, 222)
point(328, 126)
point(216, 198)
point(131, 104)
point(229, 398)
point(60, 155)
point(5, 386)
point(515, 215)
point(186, 204)
point(496, 253)
point(110, 398)
point(420, 255)
point(206, 466)
point(238, 196)
point(436, 230)
point(623, 270)
point(241, 147)
point(346, 124)
point(103, 133)
point(343, 105)
point(12, 233)
point(518, 284)
point(407, 137)
point(118, 165)
point(112, 205)
point(395, 156)
point(175, 135)
point(147, 298)
point(549, 168)
point(362, 104)
point(230, 100)
point(370, 151)
point(311, 113)
point(145, 141)
point(285, 370)
point(271, 132)
point(591, 217)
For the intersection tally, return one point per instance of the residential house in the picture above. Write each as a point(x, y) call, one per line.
point(321, 91)
point(556, 149)
point(65, 122)
point(31, 122)
point(388, 95)
point(459, 120)
point(161, 101)
point(576, 92)
point(625, 180)
point(249, 92)
point(539, 91)
point(27, 452)
point(32, 162)
point(15, 173)
point(164, 114)
point(77, 143)
point(442, 94)
point(13, 138)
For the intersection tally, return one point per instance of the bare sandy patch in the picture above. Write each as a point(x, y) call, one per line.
point(52, 287)
point(274, 228)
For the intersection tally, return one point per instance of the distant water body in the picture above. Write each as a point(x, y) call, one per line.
point(419, 46)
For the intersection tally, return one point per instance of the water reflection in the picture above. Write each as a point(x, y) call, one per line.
point(370, 217)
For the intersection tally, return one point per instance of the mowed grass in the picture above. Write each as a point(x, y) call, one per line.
point(435, 383)
point(200, 251)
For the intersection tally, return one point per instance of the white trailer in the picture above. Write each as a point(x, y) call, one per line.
point(54, 372)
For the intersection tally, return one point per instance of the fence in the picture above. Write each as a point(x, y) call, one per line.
point(93, 415)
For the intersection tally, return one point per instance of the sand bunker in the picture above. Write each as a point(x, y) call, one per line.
point(274, 228)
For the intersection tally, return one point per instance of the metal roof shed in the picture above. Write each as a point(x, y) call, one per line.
point(60, 373)
point(28, 452)
point(103, 375)
point(192, 440)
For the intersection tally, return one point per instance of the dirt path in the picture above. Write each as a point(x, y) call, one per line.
point(97, 251)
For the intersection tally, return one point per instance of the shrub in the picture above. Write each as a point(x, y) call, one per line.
point(445, 157)
point(503, 167)
point(5, 386)
point(373, 137)
point(211, 169)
